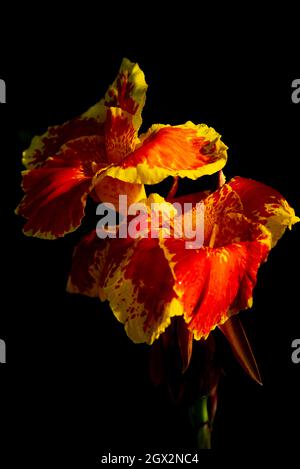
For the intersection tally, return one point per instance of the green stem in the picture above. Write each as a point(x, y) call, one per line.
point(200, 420)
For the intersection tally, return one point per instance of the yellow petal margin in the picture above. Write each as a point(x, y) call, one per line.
point(89, 123)
point(187, 150)
point(265, 205)
point(128, 91)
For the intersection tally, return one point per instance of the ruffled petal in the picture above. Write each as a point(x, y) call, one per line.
point(128, 91)
point(139, 287)
point(265, 205)
point(214, 283)
point(187, 150)
point(87, 265)
point(55, 194)
point(48, 144)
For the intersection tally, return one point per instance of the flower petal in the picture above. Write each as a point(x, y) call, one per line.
point(265, 205)
point(87, 265)
point(48, 144)
point(55, 194)
point(128, 91)
point(120, 134)
point(187, 150)
point(214, 283)
point(139, 290)
point(108, 190)
point(218, 205)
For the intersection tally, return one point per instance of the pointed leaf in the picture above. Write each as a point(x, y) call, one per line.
point(236, 336)
point(185, 340)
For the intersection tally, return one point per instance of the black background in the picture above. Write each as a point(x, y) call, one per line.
point(73, 381)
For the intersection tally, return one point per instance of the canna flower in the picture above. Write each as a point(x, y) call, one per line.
point(100, 154)
point(148, 281)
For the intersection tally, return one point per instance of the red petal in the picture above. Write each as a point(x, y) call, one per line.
point(55, 194)
point(87, 265)
point(214, 283)
point(120, 134)
point(139, 290)
point(264, 205)
point(48, 144)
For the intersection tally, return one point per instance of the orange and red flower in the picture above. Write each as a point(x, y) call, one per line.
point(101, 154)
point(148, 281)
